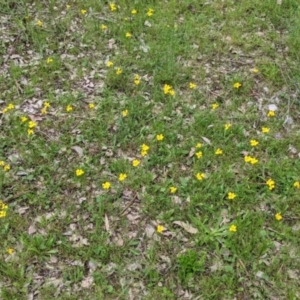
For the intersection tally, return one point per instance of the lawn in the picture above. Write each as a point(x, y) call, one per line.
point(149, 149)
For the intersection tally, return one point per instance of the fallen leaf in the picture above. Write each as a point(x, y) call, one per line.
point(31, 229)
point(78, 150)
point(186, 227)
point(87, 282)
point(206, 140)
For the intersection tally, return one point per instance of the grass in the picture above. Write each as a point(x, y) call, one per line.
point(65, 112)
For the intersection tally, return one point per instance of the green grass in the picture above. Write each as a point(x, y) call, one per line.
point(66, 236)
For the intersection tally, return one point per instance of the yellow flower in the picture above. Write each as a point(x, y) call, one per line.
point(135, 162)
point(254, 143)
point(31, 124)
point(227, 126)
point(49, 60)
point(271, 184)
point(10, 106)
point(200, 176)
point(297, 184)
point(103, 27)
point(47, 105)
point(144, 153)
point(265, 129)
point(10, 251)
point(219, 151)
point(39, 23)
point(30, 132)
point(145, 147)
point(68, 6)
point(255, 70)
point(106, 185)
point(137, 79)
point(125, 113)
point(69, 108)
point(199, 154)
point(192, 85)
point(199, 145)
point(2, 214)
point(44, 111)
point(134, 11)
point(278, 216)
point(119, 71)
point(128, 35)
point(173, 189)
point(237, 85)
point(109, 63)
point(2, 163)
point(215, 106)
point(83, 11)
point(79, 172)
point(24, 119)
point(160, 228)
point(91, 105)
point(4, 111)
point(150, 12)
point(231, 196)
point(6, 168)
point(271, 113)
point(122, 176)
point(112, 6)
point(168, 90)
point(232, 228)
point(253, 161)
point(159, 137)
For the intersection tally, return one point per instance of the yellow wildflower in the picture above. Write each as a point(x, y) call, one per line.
point(265, 129)
point(134, 11)
point(91, 105)
point(2, 163)
point(145, 147)
point(199, 145)
point(200, 176)
point(103, 27)
point(237, 85)
point(160, 228)
point(173, 189)
point(69, 108)
point(122, 176)
point(47, 105)
point(254, 143)
point(109, 63)
point(271, 113)
point(278, 216)
point(128, 35)
point(231, 196)
point(119, 71)
point(199, 154)
point(24, 119)
point(44, 111)
point(10, 251)
point(125, 113)
point(255, 70)
point(219, 151)
point(79, 172)
point(112, 6)
point(106, 185)
point(233, 228)
point(159, 137)
point(2, 214)
point(137, 79)
point(31, 124)
point(271, 184)
point(49, 60)
point(135, 162)
point(192, 85)
point(6, 168)
point(168, 90)
point(68, 6)
point(30, 132)
point(215, 106)
point(150, 12)
point(10, 106)
point(83, 11)
point(227, 126)
point(297, 184)
point(39, 23)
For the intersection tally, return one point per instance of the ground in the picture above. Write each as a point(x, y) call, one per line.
point(149, 149)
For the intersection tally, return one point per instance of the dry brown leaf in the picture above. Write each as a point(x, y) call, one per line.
point(31, 229)
point(107, 228)
point(206, 140)
point(187, 227)
point(78, 150)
